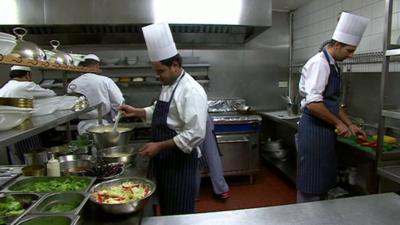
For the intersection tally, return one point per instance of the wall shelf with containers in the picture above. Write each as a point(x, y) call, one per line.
point(388, 163)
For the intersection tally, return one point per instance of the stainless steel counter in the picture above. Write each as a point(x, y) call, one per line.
point(379, 209)
point(40, 124)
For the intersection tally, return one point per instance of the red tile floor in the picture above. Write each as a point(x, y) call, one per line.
point(268, 189)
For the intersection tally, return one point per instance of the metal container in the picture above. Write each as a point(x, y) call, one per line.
point(34, 170)
point(104, 138)
point(103, 178)
point(49, 220)
point(27, 200)
point(123, 153)
point(21, 183)
point(59, 57)
point(75, 199)
point(17, 102)
point(124, 208)
point(75, 164)
point(26, 49)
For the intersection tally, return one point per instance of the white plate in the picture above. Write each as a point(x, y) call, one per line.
point(6, 46)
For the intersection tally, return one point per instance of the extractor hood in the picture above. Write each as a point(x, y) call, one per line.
point(119, 21)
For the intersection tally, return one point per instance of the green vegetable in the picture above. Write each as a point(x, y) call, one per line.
point(9, 206)
point(54, 185)
point(58, 208)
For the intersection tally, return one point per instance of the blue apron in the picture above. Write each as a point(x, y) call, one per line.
point(316, 157)
point(175, 171)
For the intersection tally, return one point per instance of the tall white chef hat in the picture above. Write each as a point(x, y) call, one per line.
point(350, 29)
point(159, 42)
point(92, 56)
point(24, 68)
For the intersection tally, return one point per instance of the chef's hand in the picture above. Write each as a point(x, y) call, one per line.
point(128, 110)
point(343, 130)
point(150, 149)
point(358, 132)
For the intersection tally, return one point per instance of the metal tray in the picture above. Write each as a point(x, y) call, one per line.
point(74, 198)
point(48, 220)
point(26, 181)
point(28, 200)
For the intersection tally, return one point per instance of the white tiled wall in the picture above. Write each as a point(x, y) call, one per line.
point(315, 22)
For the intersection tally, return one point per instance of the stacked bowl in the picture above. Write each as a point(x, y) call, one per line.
point(7, 43)
point(14, 111)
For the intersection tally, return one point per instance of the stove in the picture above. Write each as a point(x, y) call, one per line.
point(237, 137)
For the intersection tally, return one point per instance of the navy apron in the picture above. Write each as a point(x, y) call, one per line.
point(316, 157)
point(175, 171)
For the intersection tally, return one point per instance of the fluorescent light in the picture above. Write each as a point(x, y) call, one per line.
point(8, 12)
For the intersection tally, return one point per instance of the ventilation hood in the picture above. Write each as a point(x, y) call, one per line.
point(77, 22)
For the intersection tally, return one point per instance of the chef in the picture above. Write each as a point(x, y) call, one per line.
point(178, 121)
point(97, 89)
point(21, 85)
point(322, 115)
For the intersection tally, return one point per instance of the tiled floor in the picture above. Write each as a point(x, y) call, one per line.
point(268, 189)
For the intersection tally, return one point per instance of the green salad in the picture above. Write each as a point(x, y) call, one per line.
point(10, 207)
point(54, 185)
point(59, 208)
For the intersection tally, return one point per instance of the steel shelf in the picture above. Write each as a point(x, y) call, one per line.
point(394, 114)
point(390, 172)
point(40, 124)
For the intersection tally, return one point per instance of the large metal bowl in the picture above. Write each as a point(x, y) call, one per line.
point(123, 153)
point(75, 164)
point(104, 138)
point(124, 208)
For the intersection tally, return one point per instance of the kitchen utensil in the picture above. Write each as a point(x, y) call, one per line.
point(59, 57)
point(132, 60)
point(75, 164)
point(124, 153)
point(110, 61)
point(36, 157)
point(287, 99)
point(60, 150)
point(34, 170)
point(114, 131)
point(104, 139)
point(17, 102)
point(6, 46)
point(106, 171)
point(11, 119)
point(123, 208)
point(26, 49)
point(49, 220)
point(25, 200)
point(73, 203)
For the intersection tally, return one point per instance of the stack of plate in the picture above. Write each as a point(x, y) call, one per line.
point(7, 43)
point(14, 111)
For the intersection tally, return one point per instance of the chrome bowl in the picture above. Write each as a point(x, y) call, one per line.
point(26, 49)
point(104, 138)
point(75, 164)
point(124, 153)
point(123, 208)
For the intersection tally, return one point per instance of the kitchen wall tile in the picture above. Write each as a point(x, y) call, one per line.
point(348, 5)
point(379, 8)
point(357, 4)
point(366, 11)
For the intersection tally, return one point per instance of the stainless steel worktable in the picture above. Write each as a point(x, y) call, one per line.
point(381, 209)
point(40, 124)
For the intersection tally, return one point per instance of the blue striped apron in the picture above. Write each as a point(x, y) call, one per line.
point(175, 171)
point(316, 157)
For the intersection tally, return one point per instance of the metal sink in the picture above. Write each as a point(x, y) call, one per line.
point(282, 114)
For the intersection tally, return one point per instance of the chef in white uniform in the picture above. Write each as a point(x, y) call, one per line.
point(97, 89)
point(178, 121)
point(21, 85)
point(320, 84)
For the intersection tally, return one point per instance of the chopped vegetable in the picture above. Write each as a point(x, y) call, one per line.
point(54, 185)
point(59, 208)
point(126, 192)
point(10, 207)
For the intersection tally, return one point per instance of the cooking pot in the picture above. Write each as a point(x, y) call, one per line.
point(104, 138)
point(59, 57)
point(26, 49)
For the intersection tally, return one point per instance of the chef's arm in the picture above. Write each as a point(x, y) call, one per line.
point(130, 111)
point(153, 148)
point(355, 130)
point(318, 109)
point(344, 117)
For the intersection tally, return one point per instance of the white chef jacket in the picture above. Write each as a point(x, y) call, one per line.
point(24, 89)
point(98, 89)
point(187, 112)
point(314, 78)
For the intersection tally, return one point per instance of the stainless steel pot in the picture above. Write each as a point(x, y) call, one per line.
point(123, 208)
point(75, 164)
point(104, 138)
point(59, 57)
point(123, 153)
point(26, 49)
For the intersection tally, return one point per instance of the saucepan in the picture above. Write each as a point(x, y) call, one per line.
point(104, 138)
